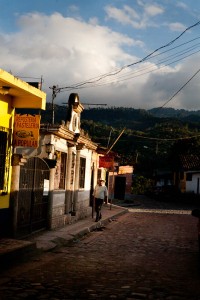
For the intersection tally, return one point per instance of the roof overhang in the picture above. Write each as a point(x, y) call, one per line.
point(22, 94)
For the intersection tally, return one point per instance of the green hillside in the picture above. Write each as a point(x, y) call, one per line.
point(149, 136)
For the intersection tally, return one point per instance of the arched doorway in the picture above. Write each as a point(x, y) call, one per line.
point(33, 197)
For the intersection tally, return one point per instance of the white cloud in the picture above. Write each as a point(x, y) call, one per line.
point(153, 10)
point(73, 8)
point(67, 50)
point(125, 16)
point(63, 50)
point(129, 16)
point(94, 21)
point(176, 27)
point(182, 5)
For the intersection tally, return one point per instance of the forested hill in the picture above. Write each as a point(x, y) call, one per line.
point(174, 113)
point(145, 131)
point(131, 118)
point(135, 119)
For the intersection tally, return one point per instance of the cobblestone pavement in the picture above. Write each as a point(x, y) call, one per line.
point(148, 253)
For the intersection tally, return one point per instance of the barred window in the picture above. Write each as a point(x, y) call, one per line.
point(62, 170)
point(3, 143)
point(82, 173)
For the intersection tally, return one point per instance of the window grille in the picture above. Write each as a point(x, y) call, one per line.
point(4, 161)
point(63, 170)
point(82, 173)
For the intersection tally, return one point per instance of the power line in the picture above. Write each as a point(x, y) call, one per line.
point(151, 69)
point(97, 79)
point(137, 73)
point(157, 66)
point(166, 139)
point(102, 104)
point(180, 89)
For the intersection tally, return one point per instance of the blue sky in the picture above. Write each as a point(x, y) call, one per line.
point(97, 49)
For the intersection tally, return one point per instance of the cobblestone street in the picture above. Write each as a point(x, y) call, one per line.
point(148, 253)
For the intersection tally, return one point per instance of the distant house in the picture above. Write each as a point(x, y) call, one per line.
point(163, 178)
point(187, 173)
point(120, 183)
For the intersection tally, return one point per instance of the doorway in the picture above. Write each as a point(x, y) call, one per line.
point(33, 197)
point(120, 187)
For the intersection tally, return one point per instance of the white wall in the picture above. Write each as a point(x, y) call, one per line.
point(191, 186)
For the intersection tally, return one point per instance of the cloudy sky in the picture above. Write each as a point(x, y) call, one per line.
point(131, 53)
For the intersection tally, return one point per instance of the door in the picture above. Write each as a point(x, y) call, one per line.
point(33, 197)
point(120, 186)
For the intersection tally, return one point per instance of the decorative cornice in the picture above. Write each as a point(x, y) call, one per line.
point(71, 137)
point(78, 108)
point(87, 142)
point(58, 130)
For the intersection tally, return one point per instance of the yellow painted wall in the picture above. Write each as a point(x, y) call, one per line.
point(15, 93)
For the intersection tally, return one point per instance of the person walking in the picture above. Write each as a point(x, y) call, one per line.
point(100, 194)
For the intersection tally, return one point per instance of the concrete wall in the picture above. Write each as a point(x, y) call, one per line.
point(192, 186)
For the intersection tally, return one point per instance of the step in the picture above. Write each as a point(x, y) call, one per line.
point(12, 250)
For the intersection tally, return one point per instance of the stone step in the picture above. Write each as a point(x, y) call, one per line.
point(12, 250)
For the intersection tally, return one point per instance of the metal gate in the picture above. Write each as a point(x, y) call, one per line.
point(33, 197)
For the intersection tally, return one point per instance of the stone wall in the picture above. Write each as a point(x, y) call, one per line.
point(58, 216)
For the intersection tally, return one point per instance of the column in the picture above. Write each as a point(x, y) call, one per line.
point(50, 203)
point(76, 182)
point(14, 191)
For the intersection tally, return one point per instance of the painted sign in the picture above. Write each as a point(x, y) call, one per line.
point(26, 131)
point(106, 161)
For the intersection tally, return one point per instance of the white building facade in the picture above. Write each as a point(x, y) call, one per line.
point(53, 184)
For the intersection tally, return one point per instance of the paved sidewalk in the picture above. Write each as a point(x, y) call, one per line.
point(48, 240)
point(11, 249)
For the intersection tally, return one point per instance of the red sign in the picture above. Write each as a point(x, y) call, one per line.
point(106, 161)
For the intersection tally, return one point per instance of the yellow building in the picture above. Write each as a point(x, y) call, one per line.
point(14, 93)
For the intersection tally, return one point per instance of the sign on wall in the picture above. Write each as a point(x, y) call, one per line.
point(106, 161)
point(26, 130)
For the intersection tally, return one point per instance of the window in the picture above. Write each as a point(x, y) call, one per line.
point(63, 159)
point(99, 174)
point(74, 123)
point(82, 173)
point(3, 144)
point(188, 176)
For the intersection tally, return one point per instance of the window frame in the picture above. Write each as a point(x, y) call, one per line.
point(5, 145)
point(82, 172)
point(63, 164)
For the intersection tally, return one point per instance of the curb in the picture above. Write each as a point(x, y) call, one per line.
point(59, 242)
point(18, 250)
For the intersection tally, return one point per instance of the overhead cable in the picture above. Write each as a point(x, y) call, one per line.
point(97, 79)
point(180, 89)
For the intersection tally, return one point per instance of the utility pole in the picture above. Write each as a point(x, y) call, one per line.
point(55, 90)
point(109, 137)
point(115, 141)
